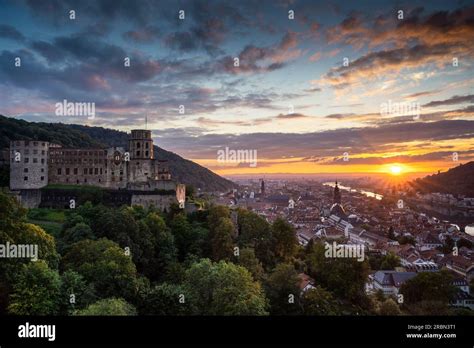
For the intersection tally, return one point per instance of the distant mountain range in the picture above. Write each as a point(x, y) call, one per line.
point(71, 135)
point(457, 181)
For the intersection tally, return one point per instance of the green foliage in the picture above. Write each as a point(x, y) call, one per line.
point(284, 239)
point(389, 307)
point(103, 263)
point(248, 260)
point(72, 283)
point(224, 289)
point(344, 277)
point(36, 290)
point(109, 306)
point(45, 214)
point(428, 286)
point(166, 299)
point(73, 235)
point(389, 262)
point(319, 301)
point(282, 289)
point(222, 244)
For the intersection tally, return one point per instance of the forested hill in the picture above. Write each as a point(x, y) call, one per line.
point(457, 181)
point(182, 170)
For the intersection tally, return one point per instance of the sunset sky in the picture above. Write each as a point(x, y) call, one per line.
point(291, 98)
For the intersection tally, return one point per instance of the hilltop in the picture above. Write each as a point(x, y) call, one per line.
point(71, 135)
point(457, 181)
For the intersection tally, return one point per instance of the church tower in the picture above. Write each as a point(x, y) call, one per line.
point(337, 194)
point(262, 188)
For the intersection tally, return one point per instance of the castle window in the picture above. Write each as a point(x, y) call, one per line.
point(59, 171)
point(35, 143)
point(25, 170)
point(43, 144)
point(96, 171)
point(67, 171)
point(35, 160)
point(42, 161)
point(90, 171)
point(75, 171)
point(42, 170)
point(35, 152)
point(42, 178)
point(25, 178)
point(85, 171)
point(100, 172)
point(27, 152)
point(147, 145)
point(138, 153)
point(77, 181)
point(146, 153)
point(27, 160)
point(138, 144)
point(85, 180)
point(120, 178)
point(43, 152)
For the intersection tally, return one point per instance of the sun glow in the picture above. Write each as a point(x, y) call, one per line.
point(395, 169)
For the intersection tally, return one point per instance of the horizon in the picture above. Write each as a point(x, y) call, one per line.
point(336, 89)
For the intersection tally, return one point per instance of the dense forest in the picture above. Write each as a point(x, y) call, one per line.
point(457, 181)
point(95, 260)
point(182, 170)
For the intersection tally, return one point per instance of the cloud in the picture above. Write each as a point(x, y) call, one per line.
point(142, 35)
point(9, 32)
point(457, 99)
point(330, 143)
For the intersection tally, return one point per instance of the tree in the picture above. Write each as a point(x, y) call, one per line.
point(215, 214)
point(224, 289)
point(282, 289)
point(285, 240)
point(36, 290)
point(318, 301)
point(248, 260)
point(104, 264)
point(75, 292)
point(345, 277)
point(255, 232)
point(73, 235)
point(163, 243)
point(389, 262)
point(222, 244)
point(389, 307)
point(166, 299)
point(428, 286)
point(109, 306)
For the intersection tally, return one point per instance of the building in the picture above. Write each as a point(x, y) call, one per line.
point(36, 164)
point(389, 281)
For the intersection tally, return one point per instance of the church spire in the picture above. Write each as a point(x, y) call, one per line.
point(337, 194)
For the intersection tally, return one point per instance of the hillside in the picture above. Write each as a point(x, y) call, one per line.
point(457, 181)
point(182, 170)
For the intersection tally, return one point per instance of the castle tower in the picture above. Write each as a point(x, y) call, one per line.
point(28, 164)
point(337, 194)
point(140, 144)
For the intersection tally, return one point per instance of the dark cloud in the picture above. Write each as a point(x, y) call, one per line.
point(9, 32)
point(331, 143)
point(143, 35)
point(457, 99)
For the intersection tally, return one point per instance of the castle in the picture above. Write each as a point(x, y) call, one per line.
point(132, 176)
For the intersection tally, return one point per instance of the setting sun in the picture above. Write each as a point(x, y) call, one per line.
point(395, 169)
